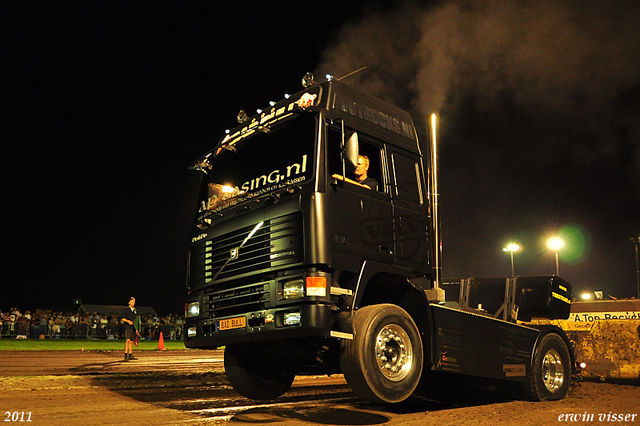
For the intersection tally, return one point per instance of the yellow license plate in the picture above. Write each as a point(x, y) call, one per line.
point(231, 323)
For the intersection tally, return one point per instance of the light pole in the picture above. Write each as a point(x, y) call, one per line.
point(512, 248)
point(556, 244)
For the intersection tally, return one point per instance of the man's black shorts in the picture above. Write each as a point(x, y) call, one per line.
point(130, 333)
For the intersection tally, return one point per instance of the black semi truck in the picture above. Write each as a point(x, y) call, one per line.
point(297, 268)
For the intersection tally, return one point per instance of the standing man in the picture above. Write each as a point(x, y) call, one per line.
point(129, 316)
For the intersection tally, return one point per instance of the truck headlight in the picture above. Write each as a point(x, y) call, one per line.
point(193, 309)
point(292, 318)
point(293, 289)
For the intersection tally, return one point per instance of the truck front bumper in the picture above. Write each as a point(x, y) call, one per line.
point(280, 323)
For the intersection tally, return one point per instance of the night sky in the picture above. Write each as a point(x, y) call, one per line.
point(106, 106)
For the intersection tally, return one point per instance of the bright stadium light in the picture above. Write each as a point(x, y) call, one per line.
point(556, 244)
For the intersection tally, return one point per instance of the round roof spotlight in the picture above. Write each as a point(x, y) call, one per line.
point(329, 77)
point(307, 80)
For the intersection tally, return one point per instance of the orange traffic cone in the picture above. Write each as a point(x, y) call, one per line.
point(161, 343)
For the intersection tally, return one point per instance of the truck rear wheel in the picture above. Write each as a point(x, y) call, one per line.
point(550, 375)
point(253, 376)
point(383, 363)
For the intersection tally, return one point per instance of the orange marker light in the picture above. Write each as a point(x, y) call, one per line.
point(316, 286)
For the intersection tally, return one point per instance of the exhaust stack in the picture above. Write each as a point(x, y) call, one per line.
point(435, 219)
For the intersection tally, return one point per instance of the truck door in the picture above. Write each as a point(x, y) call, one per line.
point(411, 220)
point(362, 223)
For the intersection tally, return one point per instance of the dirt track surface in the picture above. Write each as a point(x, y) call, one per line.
point(190, 388)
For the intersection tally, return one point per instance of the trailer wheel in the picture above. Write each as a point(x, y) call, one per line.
point(253, 376)
point(550, 375)
point(383, 363)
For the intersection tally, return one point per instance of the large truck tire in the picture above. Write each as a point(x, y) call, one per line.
point(550, 376)
point(383, 362)
point(252, 376)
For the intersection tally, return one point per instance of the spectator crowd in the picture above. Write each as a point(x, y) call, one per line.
point(55, 325)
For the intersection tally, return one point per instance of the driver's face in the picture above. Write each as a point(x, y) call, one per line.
point(361, 167)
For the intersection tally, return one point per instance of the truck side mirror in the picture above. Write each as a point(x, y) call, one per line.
point(351, 149)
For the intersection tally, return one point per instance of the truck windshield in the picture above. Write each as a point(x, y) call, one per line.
point(259, 164)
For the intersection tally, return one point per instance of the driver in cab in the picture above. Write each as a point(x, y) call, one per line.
point(360, 174)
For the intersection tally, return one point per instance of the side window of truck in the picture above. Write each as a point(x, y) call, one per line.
point(367, 148)
point(406, 173)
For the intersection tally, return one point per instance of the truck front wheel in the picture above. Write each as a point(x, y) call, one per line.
point(383, 362)
point(550, 375)
point(253, 376)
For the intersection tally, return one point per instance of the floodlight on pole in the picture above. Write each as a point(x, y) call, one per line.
point(556, 244)
point(512, 248)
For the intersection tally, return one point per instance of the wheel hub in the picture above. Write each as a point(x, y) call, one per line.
point(394, 352)
point(552, 371)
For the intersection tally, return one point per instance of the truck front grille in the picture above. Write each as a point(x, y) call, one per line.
point(231, 269)
point(237, 299)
